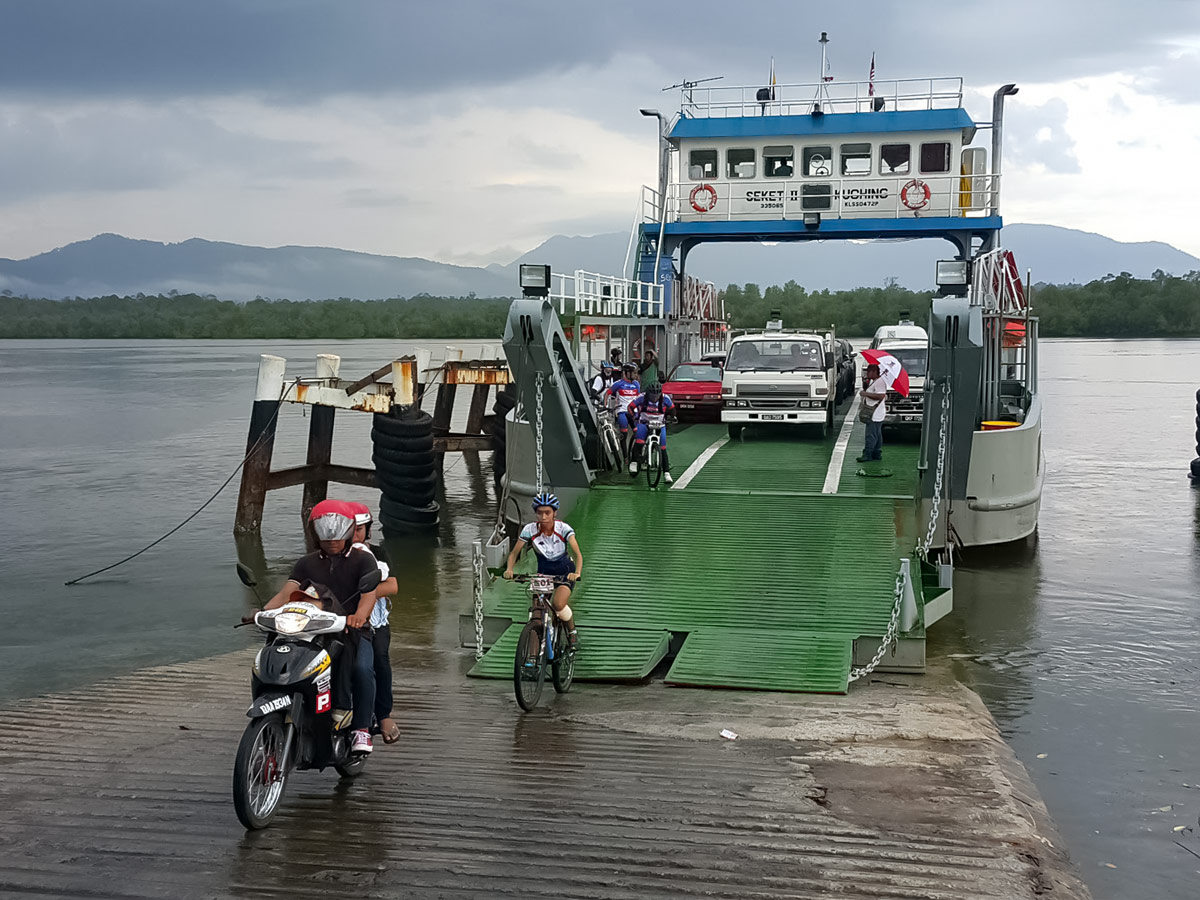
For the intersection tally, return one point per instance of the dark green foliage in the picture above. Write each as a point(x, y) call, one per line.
point(194, 316)
point(1114, 306)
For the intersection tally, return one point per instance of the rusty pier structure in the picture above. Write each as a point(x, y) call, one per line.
point(394, 390)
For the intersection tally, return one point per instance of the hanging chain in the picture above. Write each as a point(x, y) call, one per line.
point(889, 636)
point(537, 428)
point(923, 547)
point(479, 571)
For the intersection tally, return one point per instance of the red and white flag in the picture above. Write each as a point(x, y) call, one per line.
point(871, 78)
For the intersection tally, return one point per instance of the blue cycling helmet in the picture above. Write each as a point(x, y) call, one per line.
point(606, 366)
point(545, 498)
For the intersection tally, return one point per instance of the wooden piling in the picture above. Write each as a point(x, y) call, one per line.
point(320, 437)
point(252, 494)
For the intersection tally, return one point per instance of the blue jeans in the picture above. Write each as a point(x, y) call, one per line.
point(874, 445)
point(363, 681)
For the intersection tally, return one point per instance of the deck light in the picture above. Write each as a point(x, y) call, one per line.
point(535, 280)
point(812, 219)
point(953, 276)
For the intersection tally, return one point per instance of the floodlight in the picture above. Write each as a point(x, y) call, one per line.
point(534, 279)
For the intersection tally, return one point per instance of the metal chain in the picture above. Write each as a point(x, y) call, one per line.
point(479, 570)
point(889, 636)
point(935, 506)
point(537, 423)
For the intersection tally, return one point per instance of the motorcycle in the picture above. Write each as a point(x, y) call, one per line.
point(291, 714)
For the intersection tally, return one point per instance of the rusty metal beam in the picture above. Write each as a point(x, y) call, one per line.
point(370, 379)
point(476, 371)
point(331, 472)
point(456, 443)
point(478, 408)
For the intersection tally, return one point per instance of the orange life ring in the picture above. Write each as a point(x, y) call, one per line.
point(703, 197)
point(915, 195)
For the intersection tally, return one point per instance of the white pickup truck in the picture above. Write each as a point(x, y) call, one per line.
point(778, 377)
point(909, 343)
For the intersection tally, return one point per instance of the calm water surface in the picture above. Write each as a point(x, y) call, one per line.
point(1083, 643)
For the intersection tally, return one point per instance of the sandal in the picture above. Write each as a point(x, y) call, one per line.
point(389, 730)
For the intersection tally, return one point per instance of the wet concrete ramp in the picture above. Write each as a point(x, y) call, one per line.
point(123, 792)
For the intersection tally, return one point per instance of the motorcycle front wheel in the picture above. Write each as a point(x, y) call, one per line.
point(260, 772)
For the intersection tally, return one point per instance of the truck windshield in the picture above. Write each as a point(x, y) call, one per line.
point(914, 359)
point(781, 354)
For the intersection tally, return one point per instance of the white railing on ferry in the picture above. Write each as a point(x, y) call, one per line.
point(834, 97)
point(888, 197)
point(592, 294)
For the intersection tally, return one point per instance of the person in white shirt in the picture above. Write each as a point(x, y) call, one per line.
point(380, 626)
point(874, 397)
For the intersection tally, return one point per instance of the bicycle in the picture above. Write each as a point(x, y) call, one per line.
point(610, 440)
point(542, 641)
point(652, 452)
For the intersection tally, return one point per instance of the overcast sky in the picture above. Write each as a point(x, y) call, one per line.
point(471, 130)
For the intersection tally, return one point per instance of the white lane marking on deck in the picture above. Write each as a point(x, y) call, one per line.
point(694, 469)
point(833, 476)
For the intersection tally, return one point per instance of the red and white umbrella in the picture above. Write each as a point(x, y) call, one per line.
point(890, 370)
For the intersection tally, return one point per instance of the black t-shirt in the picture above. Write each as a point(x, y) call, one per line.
point(340, 574)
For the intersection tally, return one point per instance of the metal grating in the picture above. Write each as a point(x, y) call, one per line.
point(768, 459)
point(764, 660)
point(606, 654)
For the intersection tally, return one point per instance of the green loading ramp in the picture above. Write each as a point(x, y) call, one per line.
point(770, 580)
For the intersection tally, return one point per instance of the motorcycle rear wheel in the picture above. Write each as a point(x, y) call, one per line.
point(260, 773)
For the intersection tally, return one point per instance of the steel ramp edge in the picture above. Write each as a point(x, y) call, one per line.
point(799, 661)
point(605, 654)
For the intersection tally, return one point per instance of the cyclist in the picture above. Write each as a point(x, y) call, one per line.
point(602, 382)
point(657, 404)
point(551, 540)
point(625, 390)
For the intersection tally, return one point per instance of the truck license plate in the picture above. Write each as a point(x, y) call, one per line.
point(775, 416)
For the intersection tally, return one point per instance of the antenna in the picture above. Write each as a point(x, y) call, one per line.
point(687, 86)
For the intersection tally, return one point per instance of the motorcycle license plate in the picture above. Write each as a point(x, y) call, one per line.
point(773, 416)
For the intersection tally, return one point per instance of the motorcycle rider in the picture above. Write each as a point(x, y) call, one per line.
point(338, 566)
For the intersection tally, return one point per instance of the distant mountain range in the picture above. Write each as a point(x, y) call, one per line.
point(111, 264)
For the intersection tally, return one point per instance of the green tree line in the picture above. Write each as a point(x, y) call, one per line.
point(194, 316)
point(1113, 306)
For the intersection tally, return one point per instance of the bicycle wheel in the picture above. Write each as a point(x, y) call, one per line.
point(653, 463)
point(563, 668)
point(612, 448)
point(529, 667)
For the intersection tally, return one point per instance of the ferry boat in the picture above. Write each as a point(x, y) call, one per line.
point(772, 543)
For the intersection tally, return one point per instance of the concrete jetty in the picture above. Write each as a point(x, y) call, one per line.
point(902, 789)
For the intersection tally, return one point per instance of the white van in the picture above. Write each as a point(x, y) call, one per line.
point(909, 343)
point(779, 377)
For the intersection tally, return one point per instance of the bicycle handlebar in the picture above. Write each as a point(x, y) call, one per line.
point(522, 578)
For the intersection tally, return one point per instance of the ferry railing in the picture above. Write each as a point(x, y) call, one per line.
point(879, 197)
point(584, 293)
point(729, 101)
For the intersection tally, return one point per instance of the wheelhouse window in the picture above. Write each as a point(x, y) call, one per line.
point(779, 162)
point(935, 157)
point(817, 162)
point(895, 159)
point(702, 165)
point(856, 159)
point(739, 163)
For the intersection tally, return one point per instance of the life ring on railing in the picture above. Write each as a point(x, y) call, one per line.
point(703, 197)
point(915, 195)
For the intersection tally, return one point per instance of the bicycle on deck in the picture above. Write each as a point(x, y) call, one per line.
point(610, 441)
point(543, 642)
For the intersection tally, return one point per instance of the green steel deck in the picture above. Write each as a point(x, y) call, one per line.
point(769, 579)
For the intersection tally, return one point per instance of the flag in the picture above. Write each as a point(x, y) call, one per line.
point(772, 78)
point(828, 69)
point(871, 78)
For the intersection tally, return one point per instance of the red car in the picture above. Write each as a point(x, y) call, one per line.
point(695, 389)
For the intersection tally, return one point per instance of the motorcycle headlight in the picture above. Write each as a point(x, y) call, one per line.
point(290, 623)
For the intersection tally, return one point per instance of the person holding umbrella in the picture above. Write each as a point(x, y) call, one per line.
point(883, 372)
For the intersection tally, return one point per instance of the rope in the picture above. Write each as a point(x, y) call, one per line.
point(249, 453)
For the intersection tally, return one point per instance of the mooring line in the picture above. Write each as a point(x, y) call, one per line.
point(833, 476)
point(694, 469)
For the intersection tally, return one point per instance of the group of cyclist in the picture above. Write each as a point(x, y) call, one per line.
point(635, 407)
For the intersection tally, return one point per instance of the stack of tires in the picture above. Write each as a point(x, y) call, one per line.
point(404, 470)
point(506, 399)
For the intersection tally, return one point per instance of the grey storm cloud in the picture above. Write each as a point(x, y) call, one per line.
point(300, 49)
